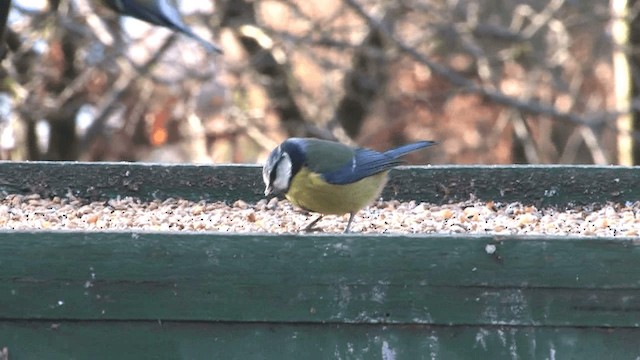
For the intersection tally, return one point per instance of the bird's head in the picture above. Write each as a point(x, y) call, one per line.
point(283, 164)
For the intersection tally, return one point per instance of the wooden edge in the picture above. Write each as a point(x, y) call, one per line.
point(204, 340)
point(318, 279)
point(538, 185)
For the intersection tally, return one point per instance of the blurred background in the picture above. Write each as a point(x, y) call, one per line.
point(494, 82)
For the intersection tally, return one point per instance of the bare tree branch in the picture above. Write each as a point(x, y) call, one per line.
point(274, 70)
point(4, 16)
point(528, 106)
point(123, 84)
point(365, 81)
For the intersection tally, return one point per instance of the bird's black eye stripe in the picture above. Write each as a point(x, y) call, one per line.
point(274, 171)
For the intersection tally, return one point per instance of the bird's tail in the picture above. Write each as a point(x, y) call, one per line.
point(405, 149)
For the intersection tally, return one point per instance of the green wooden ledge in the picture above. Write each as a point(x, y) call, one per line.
point(259, 296)
point(540, 185)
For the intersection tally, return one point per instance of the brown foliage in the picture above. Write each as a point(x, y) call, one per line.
point(492, 82)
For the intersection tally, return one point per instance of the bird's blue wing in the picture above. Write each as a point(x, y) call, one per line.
point(365, 163)
point(161, 13)
point(157, 12)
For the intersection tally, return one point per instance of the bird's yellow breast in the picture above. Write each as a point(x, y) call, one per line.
point(309, 191)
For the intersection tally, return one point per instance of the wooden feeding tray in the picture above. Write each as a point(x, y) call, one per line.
point(136, 293)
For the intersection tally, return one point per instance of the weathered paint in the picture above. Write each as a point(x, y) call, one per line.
point(213, 340)
point(257, 296)
point(437, 279)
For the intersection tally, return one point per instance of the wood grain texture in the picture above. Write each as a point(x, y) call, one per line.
point(436, 279)
point(262, 296)
point(210, 340)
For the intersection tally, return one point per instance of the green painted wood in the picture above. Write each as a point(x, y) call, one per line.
point(258, 296)
point(436, 279)
point(540, 185)
point(146, 181)
point(184, 340)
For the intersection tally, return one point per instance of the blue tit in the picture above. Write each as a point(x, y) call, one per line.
point(161, 13)
point(328, 177)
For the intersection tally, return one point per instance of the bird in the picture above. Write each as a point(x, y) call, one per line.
point(328, 177)
point(159, 12)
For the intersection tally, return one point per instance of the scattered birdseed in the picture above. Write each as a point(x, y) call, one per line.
point(31, 212)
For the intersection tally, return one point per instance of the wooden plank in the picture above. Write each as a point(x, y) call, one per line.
point(204, 340)
point(146, 181)
point(540, 185)
point(191, 295)
point(436, 279)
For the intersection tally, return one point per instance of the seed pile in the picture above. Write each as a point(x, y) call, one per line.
point(31, 212)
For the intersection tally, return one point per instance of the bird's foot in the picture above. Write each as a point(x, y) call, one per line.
point(311, 227)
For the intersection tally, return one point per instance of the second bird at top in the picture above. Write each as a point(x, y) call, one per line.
point(159, 12)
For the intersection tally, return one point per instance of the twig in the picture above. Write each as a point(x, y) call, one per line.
point(468, 86)
point(4, 15)
point(121, 85)
point(365, 81)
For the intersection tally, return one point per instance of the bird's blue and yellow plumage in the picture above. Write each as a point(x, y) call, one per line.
point(329, 177)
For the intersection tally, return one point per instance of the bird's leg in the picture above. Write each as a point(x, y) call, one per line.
point(310, 227)
point(349, 223)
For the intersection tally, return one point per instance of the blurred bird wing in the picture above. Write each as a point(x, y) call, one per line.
point(162, 13)
point(158, 12)
point(169, 9)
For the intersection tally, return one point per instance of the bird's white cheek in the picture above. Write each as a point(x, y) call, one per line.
point(283, 174)
point(280, 185)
